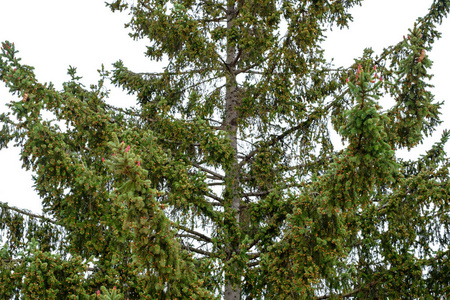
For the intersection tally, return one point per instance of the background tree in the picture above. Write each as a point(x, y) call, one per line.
point(223, 181)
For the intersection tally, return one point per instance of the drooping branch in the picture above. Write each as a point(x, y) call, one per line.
point(27, 213)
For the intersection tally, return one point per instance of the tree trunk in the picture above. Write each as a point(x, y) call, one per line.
point(233, 280)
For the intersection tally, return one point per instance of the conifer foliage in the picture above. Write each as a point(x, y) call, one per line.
point(222, 181)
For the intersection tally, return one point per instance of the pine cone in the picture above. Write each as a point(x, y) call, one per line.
point(422, 56)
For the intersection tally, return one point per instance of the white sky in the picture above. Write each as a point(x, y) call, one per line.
point(53, 34)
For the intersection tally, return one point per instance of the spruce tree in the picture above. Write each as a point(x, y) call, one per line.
point(223, 181)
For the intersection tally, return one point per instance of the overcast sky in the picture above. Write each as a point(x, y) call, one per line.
point(53, 34)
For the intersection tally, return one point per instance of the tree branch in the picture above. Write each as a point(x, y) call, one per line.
point(247, 68)
point(350, 293)
point(214, 174)
point(253, 264)
point(218, 19)
point(215, 183)
point(278, 138)
point(198, 234)
point(263, 193)
point(169, 73)
point(27, 213)
point(192, 236)
point(212, 196)
point(192, 249)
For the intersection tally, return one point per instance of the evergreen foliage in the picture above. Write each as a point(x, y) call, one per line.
point(222, 181)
